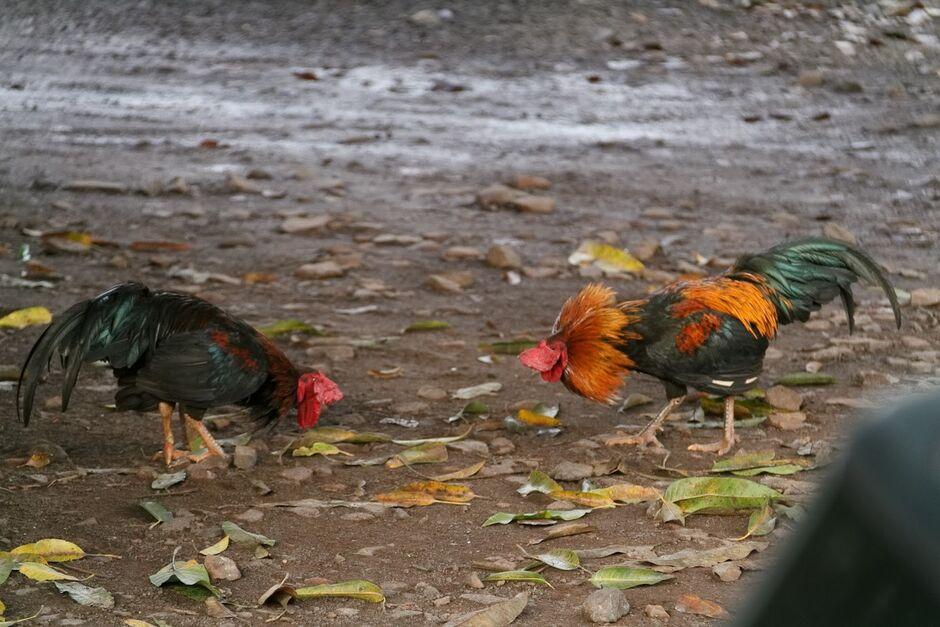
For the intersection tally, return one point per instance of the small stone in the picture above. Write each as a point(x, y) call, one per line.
point(474, 447)
point(783, 397)
point(442, 601)
point(925, 297)
point(813, 366)
point(834, 230)
point(463, 278)
point(912, 341)
point(443, 285)
point(459, 253)
point(645, 249)
point(206, 469)
point(391, 239)
point(425, 18)
point(606, 605)
point(252, 515)
point(528, 203)
point(656, 612)
point(496, 197)
point(320, 270)
point(571, 471)
point(845, 47)
point(246, 457)
point(426, 590)
point(473, 581)
point(303, 226)
point(502, 446)
point(297, 473)
point(432, 393)
point(873, 378)
point(222, 568)
point(787, 421)
point(811, 78)
point(727, 571)
point(503, 256)
point(528, 182)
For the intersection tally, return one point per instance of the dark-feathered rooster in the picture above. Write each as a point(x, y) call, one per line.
point(168, 349)
point(708, 334)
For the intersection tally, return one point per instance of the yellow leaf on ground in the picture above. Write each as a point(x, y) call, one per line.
point(22, 318)
point(403, 498)
point(534, 419)
point(442, 491)
point(43, 572)
point(587, 499)
point(606, 257)
point(357, 589)
point(463, 473)
point(629, 493)
point(216, 548)
point(51, 549)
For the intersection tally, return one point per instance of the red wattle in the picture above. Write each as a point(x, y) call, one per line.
point(308, 413)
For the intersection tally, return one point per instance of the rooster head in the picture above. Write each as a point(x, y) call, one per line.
point(314, 391)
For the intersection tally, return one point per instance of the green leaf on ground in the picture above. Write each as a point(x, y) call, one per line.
point(504, 518)
point(622, 577)
point(84, 595)
point(704, 494)
point(526, 576)
point(240, 536)
point(355, 589)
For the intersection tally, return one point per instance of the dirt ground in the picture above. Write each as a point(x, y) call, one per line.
point(708, 128)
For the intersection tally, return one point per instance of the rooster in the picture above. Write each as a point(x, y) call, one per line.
point(709, 334)
point(168, 349)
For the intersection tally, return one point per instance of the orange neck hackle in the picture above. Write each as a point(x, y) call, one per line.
point(594, 329)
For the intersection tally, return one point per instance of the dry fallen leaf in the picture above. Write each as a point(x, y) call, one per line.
point(463, 473)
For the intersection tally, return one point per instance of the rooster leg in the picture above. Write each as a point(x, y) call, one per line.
point(647, 437)
point(213, 447)
point(727, 442)
point(169, 452)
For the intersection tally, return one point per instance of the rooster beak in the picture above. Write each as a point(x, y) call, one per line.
point(542, 358)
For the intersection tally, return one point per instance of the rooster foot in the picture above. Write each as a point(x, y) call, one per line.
point(169, 455)
point(199, 457)
point(720, 447)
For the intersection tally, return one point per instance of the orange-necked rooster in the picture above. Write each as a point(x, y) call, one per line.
point(169, 349)
point(709, 334)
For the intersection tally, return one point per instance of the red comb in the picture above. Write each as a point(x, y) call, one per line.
point(542, 358)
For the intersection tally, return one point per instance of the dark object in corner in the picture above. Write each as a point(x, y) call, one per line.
point(870, 552)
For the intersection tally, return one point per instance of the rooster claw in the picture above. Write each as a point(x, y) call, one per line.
point(720, 447)
point(169, 456)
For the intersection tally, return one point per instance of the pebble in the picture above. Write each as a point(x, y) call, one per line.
point(502, 446)
point(727, 571)
point(443, 285)
point(832, 353)
point(319, 270)
point(912, 341)
point(459, 253)
point(246, 457)
point(302, 226)
point(606, 605)
point(571, 471)
point(782, 397)
point(297, 473)
point(925, 297)
point(656, 612)
point(503, 256)
point(426, 590)
point(252, 515)
point(528, 182)
point(432, 393)
point(473, 581)
point(222, 568)
point(834, 230)
point(787, 421)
